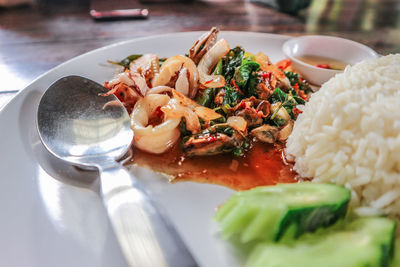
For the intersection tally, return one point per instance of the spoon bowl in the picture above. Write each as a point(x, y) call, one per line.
point(80, 125)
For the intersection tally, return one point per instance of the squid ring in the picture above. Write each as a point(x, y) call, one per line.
point(153, 139)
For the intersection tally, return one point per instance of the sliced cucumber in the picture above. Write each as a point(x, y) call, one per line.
point(396, 256)
point(267, 212)
point(365, 242)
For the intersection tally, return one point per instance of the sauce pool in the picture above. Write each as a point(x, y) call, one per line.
point(323, 62)
point(262, 165)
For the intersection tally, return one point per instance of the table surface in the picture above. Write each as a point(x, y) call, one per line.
point(34, 39)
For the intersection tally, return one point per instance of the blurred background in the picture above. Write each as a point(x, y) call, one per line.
point(37, 35)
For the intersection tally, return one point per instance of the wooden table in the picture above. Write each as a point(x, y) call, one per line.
point(35, 39)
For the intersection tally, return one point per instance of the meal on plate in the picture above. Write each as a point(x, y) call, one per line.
point(214, 106)
point(227, 116)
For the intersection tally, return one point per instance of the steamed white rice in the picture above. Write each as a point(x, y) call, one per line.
point(349, 134)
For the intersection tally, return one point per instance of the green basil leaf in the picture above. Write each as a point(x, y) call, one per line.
point(278, 96)
point(245, 71)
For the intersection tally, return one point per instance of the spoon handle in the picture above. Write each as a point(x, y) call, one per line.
point(146, 236)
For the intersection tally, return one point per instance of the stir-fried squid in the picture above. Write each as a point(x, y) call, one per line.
point(147, 66)
point(160, 90)
point(128, 87)
point(215, 100)
point(175, 110)
point(179, 72)
point(208, 61)
point(203, 44)
point(153, 138)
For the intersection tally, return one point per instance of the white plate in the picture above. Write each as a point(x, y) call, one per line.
point(48, 219)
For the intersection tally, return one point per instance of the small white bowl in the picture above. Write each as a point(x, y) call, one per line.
point(326, 46)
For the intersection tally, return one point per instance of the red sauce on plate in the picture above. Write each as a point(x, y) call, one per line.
point(262, 165)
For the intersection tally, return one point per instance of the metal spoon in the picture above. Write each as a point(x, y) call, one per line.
point(78, 125)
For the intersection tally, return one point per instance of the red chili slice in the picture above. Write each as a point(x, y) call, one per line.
point(266, 75)
point(283, 64)
point(211, 139)
point(297, 111)
point(323, 66)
